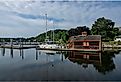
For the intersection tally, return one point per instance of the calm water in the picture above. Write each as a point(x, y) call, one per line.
point(32, 64)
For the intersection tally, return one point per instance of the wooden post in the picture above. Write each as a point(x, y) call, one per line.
point(100, 58)
point(11, 53)
point(3, 51)
point(22, 54)
point(11, 42)
point(3, 43)
point(20, 43)
point(36, 54)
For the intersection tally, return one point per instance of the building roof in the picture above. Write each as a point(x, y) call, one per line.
point(88, 37)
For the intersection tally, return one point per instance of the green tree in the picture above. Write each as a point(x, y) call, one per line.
point(105, 28)
point(78, 31)
point(59, 35)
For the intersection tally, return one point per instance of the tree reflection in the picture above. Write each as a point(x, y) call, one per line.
point(107, 64)
point(103, 61)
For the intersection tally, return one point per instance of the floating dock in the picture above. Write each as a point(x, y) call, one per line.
point(35, 46)
point(18, 47)
point(65, 49)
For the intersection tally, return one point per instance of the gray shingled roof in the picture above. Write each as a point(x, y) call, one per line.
point(89, 37)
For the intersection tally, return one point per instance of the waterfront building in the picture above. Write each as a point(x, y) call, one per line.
point(84, 41)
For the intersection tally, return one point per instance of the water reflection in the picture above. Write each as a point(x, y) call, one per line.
point(3, 51)
point(103, 62)
point(22, 53)
point(11, 51)
point(36, 54)
point(84, 59)
point(107, 64)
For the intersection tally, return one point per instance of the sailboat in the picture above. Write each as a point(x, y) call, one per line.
point(49, 43)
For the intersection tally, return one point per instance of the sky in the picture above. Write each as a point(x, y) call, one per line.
point(26, 18)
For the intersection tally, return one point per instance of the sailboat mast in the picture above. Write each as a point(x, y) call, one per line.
point(53, 31)
point(46, 25)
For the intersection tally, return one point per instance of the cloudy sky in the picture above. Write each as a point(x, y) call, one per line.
point(26, 18)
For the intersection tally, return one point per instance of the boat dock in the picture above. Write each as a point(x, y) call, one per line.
point(35, 46)
point(65, 49)
point(18, 47)
point(28, 46)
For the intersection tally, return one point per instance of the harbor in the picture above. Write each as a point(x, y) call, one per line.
point(44, 65)
point(29, 45)
point(60, 40)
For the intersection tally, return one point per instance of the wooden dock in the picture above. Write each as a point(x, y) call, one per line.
point(65, 49)
point(35, 46)
point(18, 47)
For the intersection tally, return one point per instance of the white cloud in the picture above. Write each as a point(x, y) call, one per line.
point(74, 14)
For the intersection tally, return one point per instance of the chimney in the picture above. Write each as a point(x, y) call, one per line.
point(84, 33)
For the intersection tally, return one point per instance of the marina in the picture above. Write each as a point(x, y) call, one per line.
point(31, 46)
point(28, 46)
point(60, 40)
point(32, 64)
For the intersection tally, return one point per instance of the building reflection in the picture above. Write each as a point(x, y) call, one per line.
point(102, 61)
point(83, 58)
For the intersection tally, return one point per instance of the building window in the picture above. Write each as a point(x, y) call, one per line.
point(85, 43)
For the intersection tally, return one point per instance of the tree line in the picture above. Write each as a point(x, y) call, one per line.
point(102, 26)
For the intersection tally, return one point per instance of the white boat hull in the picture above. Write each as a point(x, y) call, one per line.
point(50, 46)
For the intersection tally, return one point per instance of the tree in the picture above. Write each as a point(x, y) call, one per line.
point(59, 35)
point(78, 31)
point(105, 28)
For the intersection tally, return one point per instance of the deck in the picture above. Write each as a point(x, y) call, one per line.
point(65, 49)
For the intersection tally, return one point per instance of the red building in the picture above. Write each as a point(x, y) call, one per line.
point(85, 41)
